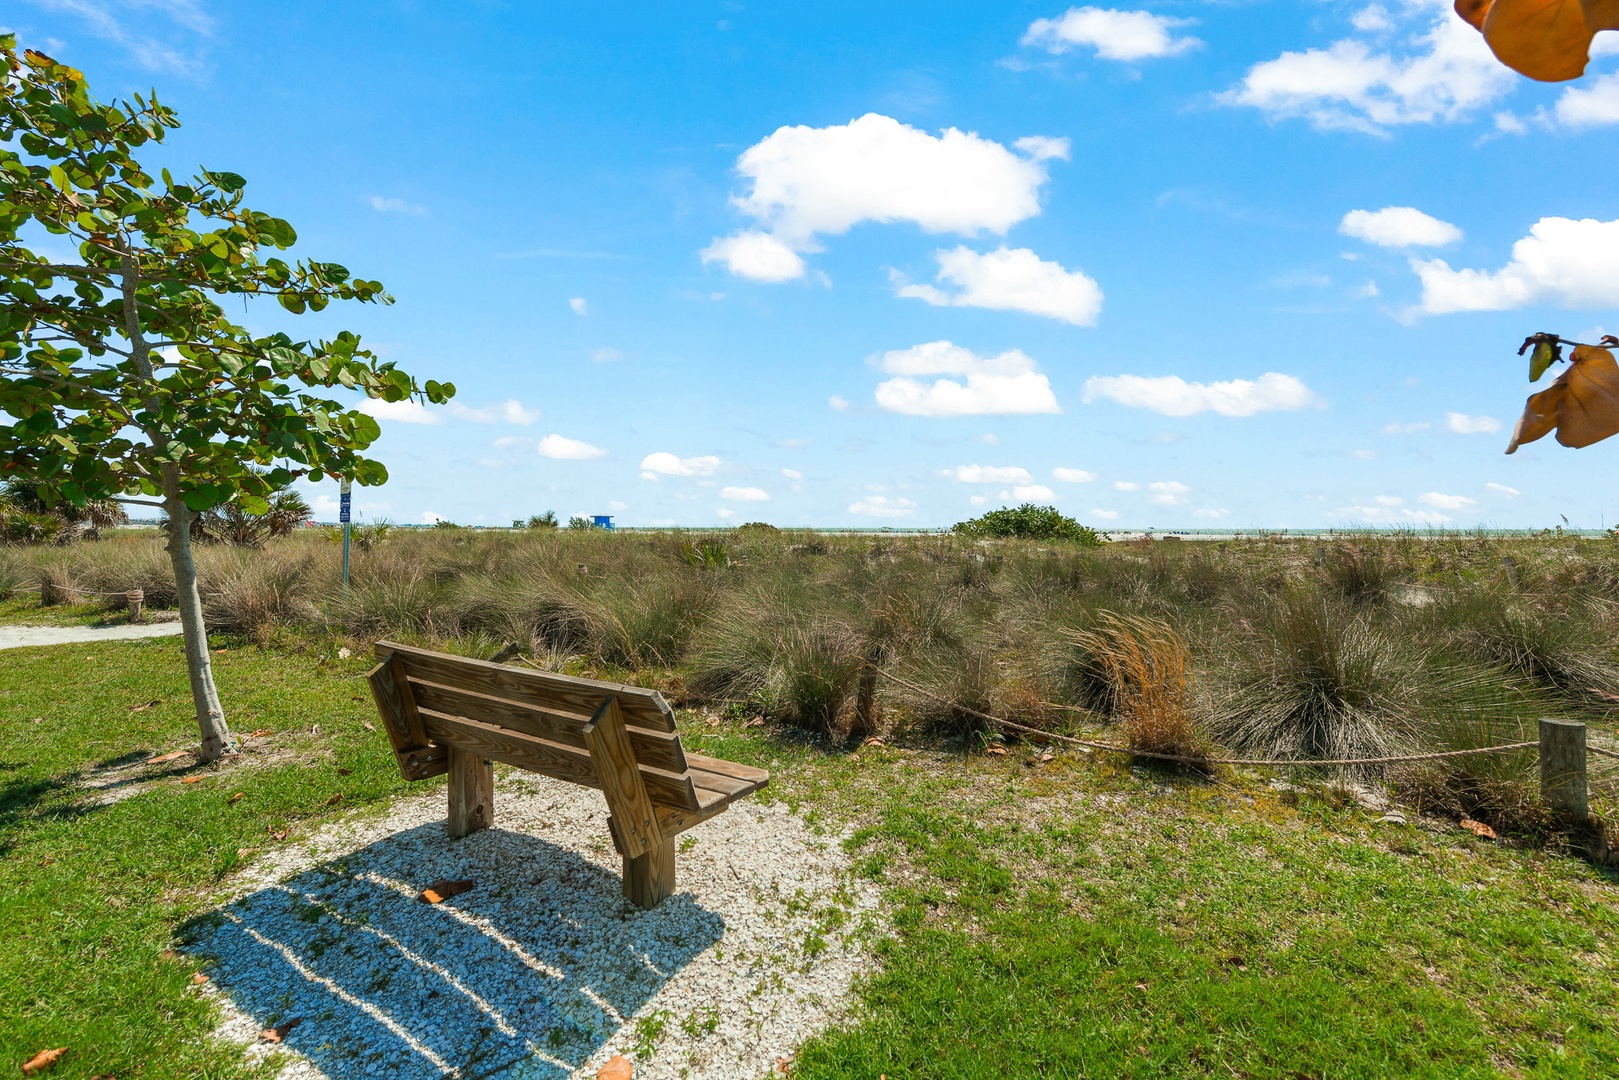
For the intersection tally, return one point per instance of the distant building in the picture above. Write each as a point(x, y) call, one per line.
point(602, 521)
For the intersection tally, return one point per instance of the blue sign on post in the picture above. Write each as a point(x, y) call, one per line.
point(343, 507)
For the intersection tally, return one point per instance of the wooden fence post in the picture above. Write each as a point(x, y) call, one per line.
point(136, 599)
point(1562, 767)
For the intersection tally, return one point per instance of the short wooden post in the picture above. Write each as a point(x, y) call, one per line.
point(136, 599)
point(49, 594)
point(649, 879)
point(649, 857)
point(472, 792)
point(1562, 767)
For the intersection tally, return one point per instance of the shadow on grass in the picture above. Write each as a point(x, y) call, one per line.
point(541, 962)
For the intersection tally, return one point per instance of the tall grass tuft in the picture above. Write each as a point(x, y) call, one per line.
point(1557, 648)
point(1141, 669)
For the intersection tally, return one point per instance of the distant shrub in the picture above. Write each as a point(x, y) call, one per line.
point(547, 520)
point(758, 528)
point(1030, 522)
point(443, 523)
point(577, 522)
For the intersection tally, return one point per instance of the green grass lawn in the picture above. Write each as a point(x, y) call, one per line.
point(1066, 919)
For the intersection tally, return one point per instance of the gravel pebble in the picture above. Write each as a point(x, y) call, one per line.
point(542, 969)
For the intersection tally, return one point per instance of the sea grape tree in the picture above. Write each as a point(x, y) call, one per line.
point(120, 373)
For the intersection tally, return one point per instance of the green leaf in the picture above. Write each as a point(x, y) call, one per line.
point(253, 504)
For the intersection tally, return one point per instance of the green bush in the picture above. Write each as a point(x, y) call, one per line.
point(1030, 522)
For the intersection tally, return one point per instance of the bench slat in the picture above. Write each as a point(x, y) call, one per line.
point(729, 786)
point(652, 748)
point(551, 758)
point(728, 768)
point(641, 708)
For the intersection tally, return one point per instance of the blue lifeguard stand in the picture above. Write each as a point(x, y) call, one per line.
point(602, 521)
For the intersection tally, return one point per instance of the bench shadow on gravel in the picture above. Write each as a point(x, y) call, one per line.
point(541, 962)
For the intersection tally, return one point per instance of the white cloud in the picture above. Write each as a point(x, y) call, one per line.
point(561, 448)
point(404, 412)
point(792, 474)
point(1397, 428)
point(1007, 384)
point(508, 441)
point(395, 206)
point(1115, 35)
point(1462, 424)
point(1012, 279)
point(883, 506)
point(1562, 261)
point(664, 463)
point(1372, 18)
point(1211, 512)
point(755, 255)
point(978, 500)
point(989, 438)
point(1398, 226)
point(725, 512)
point(1365, 455)
point(1444, 72)
point(987, 474)
point(605, 356)
point(1126, 485)
point(1105, 515)
point(1368, 291)
point(1172, 395)
point(745, 494)
point(432, 517)
point(1502, 489)
point(1030, 493)
point(806, 182)
point(1389, 500)
point(1389, 515)
point(579, 305)
point(1592, 104)
point(1168, 492)
point(837, 403)
point(1073, 476)
point(1446, 502)
point(509, 412)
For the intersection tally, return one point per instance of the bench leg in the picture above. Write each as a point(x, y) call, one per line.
point(472, 792)
point(649, 879)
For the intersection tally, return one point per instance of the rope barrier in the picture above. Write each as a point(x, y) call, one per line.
point(1589, 749)
point(1187, 760)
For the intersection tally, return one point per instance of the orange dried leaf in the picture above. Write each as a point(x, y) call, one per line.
point(1582, 405)
point(1477, 828)
point(261, 732)
point(1601, 14)
point(1547, 40)
point(368, 725)
point(335, 799)
point(190, 779)
point(237, 797)
point(43, 1060)
point(1473, 12)
point(279, 1032)
point(198, 979)
point(174, 755)
point(442, 889)
point(998, 751)
point(618, 1067)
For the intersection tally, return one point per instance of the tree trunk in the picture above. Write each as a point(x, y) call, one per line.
point(216, 736)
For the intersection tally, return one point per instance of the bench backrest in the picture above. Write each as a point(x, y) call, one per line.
point(534, 720)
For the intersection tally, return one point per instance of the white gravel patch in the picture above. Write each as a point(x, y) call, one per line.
point(543, 969)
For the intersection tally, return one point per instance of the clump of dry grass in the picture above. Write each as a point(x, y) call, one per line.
point(1142, 669)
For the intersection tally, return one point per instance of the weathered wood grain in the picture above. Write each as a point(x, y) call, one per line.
point(655, 748)
point(551, 758)
point(634, 818)
point(408, 747)
point(650, 879)
point(564, 693)
point(472, 792)
point(761, 777)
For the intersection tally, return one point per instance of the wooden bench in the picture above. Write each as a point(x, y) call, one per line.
point(450, 714)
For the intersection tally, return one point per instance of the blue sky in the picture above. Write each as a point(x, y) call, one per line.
point(1186, 265)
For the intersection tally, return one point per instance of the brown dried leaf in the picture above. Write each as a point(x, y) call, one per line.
point(1601, 14)
point(237, 797)
point(335, 799)
point(1477, 828)
point(1547, 40)
point(1581, 405)
point(173, 755)
point(618, 1067)
point(190, 779)
point(1473, 12)
point(198, 979)
point(998, 751)
point(43, 1060)
point(344, 772)
point(368, 725)
point(260, 733)
point(279, 1032)
point(442, 889)
point(143, 708)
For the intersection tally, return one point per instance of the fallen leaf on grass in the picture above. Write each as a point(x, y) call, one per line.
point(618, 1067)
point(442, 889)
point(191, 779)
point(277, 834)
point(279, 1032)
point(173, 755)
point(335, 799)
point(1477, 828)
point(198, 979)
point(998, 751)
point(344, 772)
point(143, 708)
point(43, 1060)
point(261, 732)
point(874, 741)
point(757, 721)
point(713, 721)
point(237, 797)
point(368, 725)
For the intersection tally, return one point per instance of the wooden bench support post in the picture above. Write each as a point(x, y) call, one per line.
point(472, 792)
point(649, 859)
